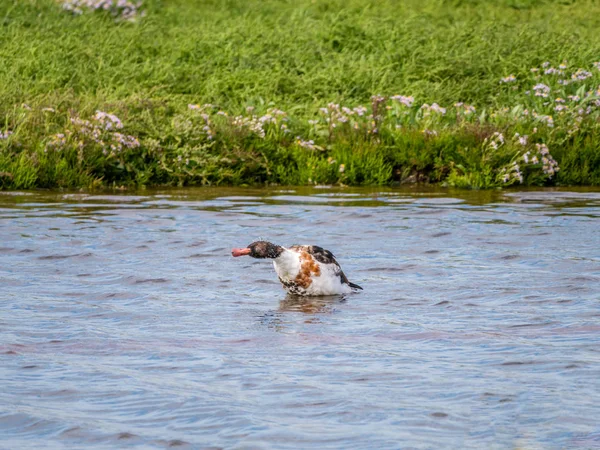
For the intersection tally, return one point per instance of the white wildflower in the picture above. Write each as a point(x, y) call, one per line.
point(310, 144)
point(108, 121)
point(406, 101)
point(541, 90)
point(360, 110)
point(581, 74)
point(437, 108)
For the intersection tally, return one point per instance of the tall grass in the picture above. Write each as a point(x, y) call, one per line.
point(250, 58)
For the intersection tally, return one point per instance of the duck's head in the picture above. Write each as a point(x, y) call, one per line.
point(259, 249)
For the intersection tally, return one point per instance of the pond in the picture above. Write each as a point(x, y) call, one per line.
point(126, 322)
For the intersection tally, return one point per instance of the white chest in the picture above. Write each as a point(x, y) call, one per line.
point(287, 265)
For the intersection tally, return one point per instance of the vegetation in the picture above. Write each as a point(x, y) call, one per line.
point(470, 93)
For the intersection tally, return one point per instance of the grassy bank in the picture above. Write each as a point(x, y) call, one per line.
point(310, 91)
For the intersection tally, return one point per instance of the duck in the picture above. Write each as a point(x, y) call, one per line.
point(304, 270)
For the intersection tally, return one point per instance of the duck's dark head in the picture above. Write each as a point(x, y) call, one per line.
point(259, 249)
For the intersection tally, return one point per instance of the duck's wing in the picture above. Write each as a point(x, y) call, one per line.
point(318, 253)
point(325, 257)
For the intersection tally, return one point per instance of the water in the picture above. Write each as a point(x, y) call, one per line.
point(126, 323)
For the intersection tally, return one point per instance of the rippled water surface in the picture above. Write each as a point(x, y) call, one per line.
point(126, 322)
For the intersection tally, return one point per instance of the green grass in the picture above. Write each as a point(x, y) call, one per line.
point(297, 56)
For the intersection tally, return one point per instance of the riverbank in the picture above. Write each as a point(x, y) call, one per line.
point(196, 93)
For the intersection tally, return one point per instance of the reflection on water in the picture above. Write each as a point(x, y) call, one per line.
point(311, 305)
point(125, 321)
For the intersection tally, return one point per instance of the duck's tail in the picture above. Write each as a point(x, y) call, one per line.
point(354, 286)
